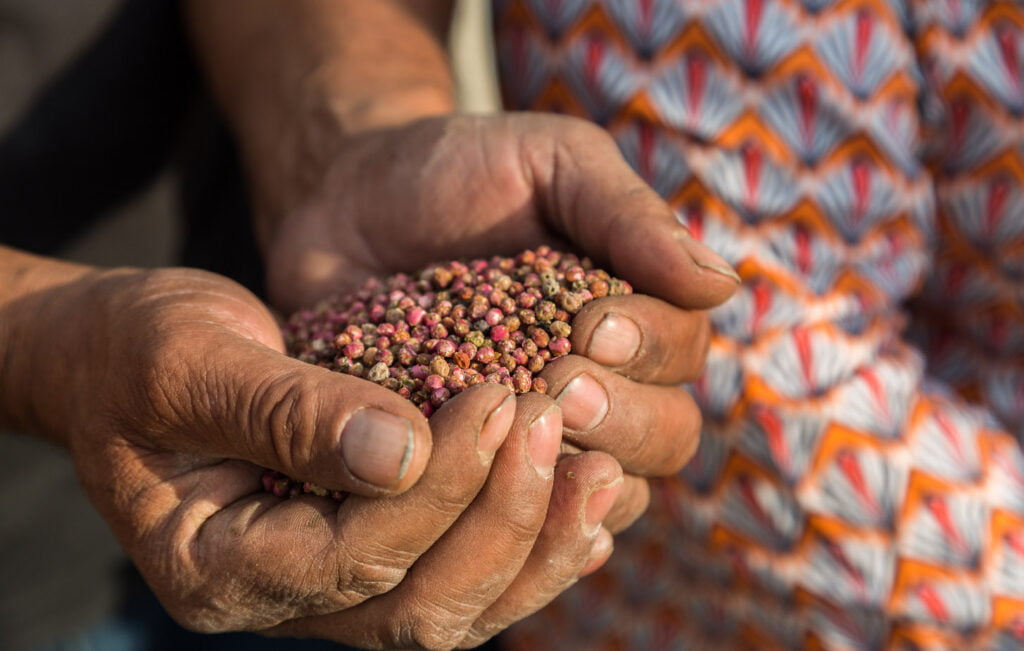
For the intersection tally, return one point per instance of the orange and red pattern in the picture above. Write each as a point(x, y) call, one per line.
point(844, 156)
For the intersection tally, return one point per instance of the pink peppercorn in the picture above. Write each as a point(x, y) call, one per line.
point(485, 354)
point(559, 346)
point(520, 356)
point(445, 348)
point(540, 337)
point(493, 317)
point(430, 335)
point(439, 396)
point(415, 316)
point(499, 333)
point(522, 380)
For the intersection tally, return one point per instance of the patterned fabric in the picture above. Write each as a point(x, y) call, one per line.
point(843, 155)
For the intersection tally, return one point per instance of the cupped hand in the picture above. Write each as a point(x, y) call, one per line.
point(459, 186)
point(175, 392)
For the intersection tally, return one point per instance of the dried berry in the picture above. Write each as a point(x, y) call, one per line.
point(431, 335)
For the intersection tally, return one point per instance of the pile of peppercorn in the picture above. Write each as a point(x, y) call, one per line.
point(431, 335)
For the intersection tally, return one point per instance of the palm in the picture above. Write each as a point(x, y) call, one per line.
point(460, 188)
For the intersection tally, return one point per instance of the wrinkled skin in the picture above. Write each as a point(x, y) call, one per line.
point(171, 390)
point(469, 186)
point(179, 393)
point(458, 187)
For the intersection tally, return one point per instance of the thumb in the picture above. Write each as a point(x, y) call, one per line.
point(590, 193)
point(248, 401)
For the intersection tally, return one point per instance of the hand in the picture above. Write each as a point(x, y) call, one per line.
point(172, 391)
point(452, 187)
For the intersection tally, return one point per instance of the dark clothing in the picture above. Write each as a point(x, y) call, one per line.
point(127, 108)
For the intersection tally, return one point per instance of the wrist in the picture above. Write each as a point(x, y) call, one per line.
point(52, 344)
point(296, 79)
point(285, 165)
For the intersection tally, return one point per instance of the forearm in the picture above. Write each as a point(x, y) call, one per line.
point(35, 367)
point(295, 78)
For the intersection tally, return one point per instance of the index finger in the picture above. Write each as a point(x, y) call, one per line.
point(588, 191)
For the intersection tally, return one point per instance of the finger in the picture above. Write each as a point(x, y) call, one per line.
point(278, 560)
point(651, 430)
point(588, 192)
point(633, 500)
point(643, 338)
point(604, 544)
point(586, 487)
point(475, 561)
point(233, 397)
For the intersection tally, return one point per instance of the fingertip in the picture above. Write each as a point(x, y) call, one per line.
point(632, 503)
point(643, 338)
point(545, 440)
point(493, 406)
point(600, 503)
point(385, 447)
point(661, 258)
point(600, 552)
point(496, 428)
point(704, 256)
point(615, 341)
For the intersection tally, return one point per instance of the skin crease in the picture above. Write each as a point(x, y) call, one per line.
point(171, 391)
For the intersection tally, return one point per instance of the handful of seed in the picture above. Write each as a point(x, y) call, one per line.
point(431, 335)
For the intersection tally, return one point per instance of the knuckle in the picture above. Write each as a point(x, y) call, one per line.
point(481, 632)
point(161, 388)
point(364, 575)
point(522, 524)
point(442, 623)
point(450, 504)
point(288, 408)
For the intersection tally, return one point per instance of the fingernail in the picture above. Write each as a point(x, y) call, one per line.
point(705, 258)
point(545, 440)
point(584, 403)
point(599, 552)
point(377, 447)
point(599, 504)
point(494, 431)
point(615, 341)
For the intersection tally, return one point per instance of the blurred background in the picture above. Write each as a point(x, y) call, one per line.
point(58, 563)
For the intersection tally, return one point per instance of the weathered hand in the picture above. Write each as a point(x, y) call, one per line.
point(173, 392)
point(454, 187)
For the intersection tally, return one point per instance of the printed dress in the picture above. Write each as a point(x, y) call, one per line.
point(845, 156)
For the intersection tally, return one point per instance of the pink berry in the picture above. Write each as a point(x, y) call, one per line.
point(415, 316)
point(430, 335)
point(499, 333)
point(559, 346)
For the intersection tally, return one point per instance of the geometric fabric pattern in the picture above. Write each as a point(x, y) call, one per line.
point(861, 164)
